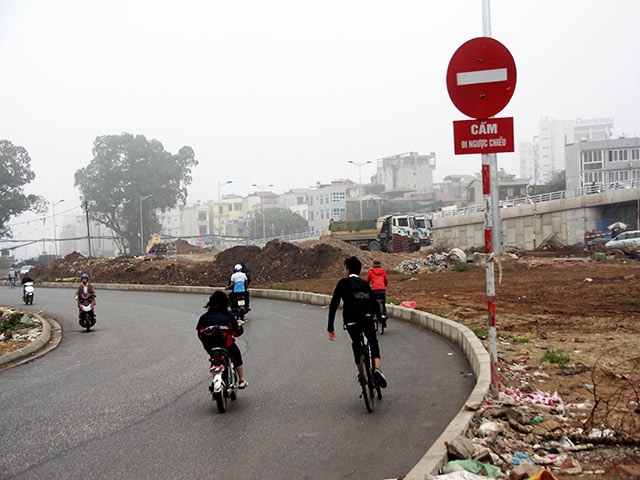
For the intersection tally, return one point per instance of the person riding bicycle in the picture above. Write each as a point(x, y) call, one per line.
point(359, 307)
point(377, 278)
point(12, 277)
point(85, 288)
point(218, 315)
point(237, 284)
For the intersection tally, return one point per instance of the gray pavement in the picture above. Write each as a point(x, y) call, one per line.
point(130, 399)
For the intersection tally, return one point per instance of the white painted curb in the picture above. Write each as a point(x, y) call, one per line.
point(456, 333)
point(27, 350)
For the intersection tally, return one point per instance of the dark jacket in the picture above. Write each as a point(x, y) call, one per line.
point(351, 313)
point(228, 327)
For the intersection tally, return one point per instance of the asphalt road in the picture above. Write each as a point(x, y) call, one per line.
point(130, 399)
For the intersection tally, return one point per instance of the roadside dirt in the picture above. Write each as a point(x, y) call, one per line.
point(551, 301)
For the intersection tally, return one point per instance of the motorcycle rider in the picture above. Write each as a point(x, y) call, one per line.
point(218, 315)
point(86, 288)
point(26, 278)
point(359, 307)
point(237, 284)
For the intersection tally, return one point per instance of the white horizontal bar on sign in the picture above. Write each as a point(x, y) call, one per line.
point(482, 76)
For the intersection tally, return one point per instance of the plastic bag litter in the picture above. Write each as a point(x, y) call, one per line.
point(408, 304)
point(473, 466)
point(459, 475)
point(519, 457)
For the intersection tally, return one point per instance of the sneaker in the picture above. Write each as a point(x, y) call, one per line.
point(360, 379)
point(242, 384)
point(380, 378)
point(248, 309)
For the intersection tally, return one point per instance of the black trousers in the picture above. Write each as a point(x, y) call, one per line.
point(234, 353)
point(367, 326)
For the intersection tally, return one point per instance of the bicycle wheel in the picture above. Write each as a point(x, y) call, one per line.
point(363, 384)
point(370, 380)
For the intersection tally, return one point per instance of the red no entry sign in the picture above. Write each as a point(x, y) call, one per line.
point(481, 77)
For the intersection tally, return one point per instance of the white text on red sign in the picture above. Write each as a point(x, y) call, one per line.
point(483, 136)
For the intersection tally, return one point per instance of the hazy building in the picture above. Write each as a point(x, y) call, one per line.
point(74, 238)
point(602, 161)
point(327, 202)
point(197, 221)
point(553, 135)
point(406, 170)
point(509, 187)
point(453, 190)
point(527, 160)
point(592, 129)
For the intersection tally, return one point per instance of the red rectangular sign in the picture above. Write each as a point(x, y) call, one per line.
point(494, 135)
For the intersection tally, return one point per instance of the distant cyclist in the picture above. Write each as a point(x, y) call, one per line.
point(377, 278)
point(359, 307)
point(12, 278)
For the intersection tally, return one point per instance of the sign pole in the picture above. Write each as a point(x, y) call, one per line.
point(492, 231)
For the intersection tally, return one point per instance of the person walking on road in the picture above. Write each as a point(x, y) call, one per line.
point(359, 307)
point(377, 278)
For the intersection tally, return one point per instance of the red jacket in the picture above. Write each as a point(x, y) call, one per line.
point(377, 277)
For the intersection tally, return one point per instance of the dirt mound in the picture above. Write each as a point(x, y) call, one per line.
point(185, 248)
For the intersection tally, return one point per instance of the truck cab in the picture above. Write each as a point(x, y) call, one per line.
point(424, 226)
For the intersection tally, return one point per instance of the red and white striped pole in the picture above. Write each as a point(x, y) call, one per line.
point(490, 277)
point(491, 219)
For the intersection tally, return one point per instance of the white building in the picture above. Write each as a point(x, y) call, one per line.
point(602, 161)
point(552, 136)
point(527, 160)
point(327, 202)
point(407, 170)
point(592, 129)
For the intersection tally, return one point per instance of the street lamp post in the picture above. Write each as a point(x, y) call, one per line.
point(141, 227)
point(359, 165)
point(221, 184)
point(55, 238)
point(262, 187)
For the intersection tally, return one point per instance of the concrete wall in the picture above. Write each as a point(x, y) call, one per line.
point(570, 218)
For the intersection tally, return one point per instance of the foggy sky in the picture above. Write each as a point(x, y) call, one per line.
point(287, 91)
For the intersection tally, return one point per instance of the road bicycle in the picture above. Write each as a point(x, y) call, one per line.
point(366, 378)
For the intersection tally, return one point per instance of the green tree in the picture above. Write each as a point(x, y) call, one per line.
point(556, 183)
point(15, 173)
point(126, 168)
point(277, 222)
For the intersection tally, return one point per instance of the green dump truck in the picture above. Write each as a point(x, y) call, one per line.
point(375, 234)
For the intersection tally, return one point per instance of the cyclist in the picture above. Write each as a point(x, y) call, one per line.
point(218, 315)
point(12, 277)
point(377, 278)
point(237, 284)
point(359, 307)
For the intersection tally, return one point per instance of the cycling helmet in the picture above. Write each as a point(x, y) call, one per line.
point(238, 267)
point(84, 275)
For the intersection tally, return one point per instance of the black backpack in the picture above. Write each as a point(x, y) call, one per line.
point(360, 296)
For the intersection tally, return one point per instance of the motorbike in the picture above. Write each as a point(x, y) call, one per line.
point(225, 377)
point(28, 293)
point(87, 314)
point(239, 306)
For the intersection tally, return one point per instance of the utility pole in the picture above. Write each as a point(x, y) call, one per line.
point(86, 211)
point(55, 238)
point(262, 187)
point(359, 165)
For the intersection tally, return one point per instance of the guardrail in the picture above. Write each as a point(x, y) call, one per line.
point(543, 197)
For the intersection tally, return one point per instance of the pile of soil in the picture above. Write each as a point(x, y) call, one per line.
point(185, 248)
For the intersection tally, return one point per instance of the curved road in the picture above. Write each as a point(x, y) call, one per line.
point(130, 399)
